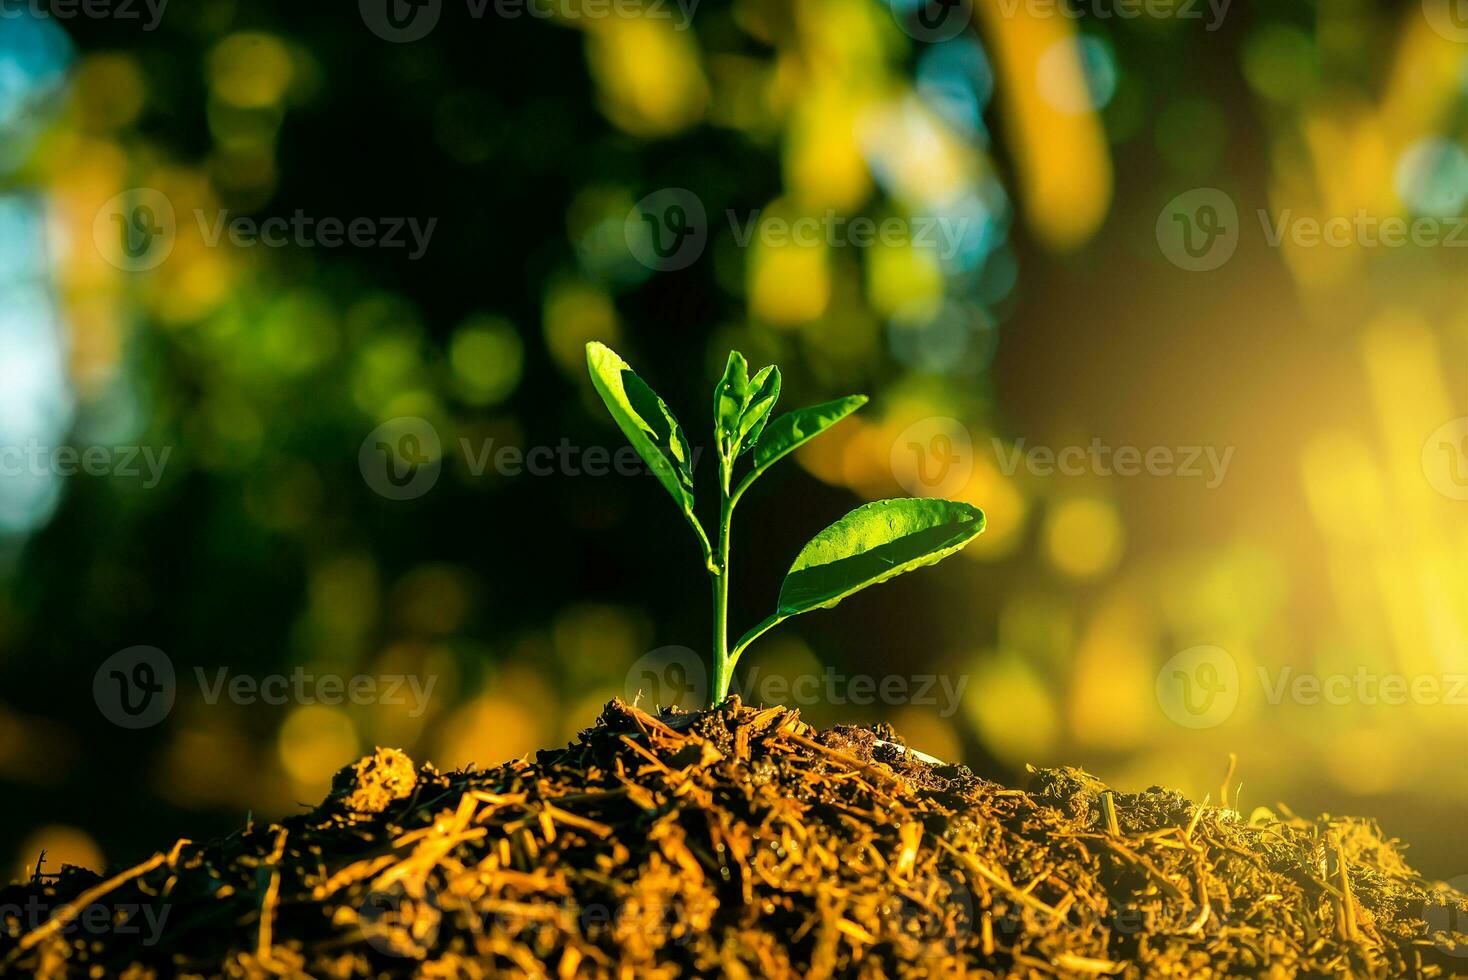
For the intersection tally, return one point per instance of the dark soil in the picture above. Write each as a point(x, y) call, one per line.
point(741, 841)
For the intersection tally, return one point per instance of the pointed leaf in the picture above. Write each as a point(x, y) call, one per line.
point(794, 429)
point(873, 543)
point(764, 391)
point(644, 420)
point(730, 398)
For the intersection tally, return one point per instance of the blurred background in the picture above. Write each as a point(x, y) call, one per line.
point(1163, 228)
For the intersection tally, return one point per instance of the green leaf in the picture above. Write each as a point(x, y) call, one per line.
point(794, 429)
point(644, 420)
point(730, 399)
point(764, 391)
point(873, 543)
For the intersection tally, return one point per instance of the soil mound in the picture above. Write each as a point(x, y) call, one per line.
point(741, 841)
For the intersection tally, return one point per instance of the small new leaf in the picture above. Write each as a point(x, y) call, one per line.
point(730, 398)
point(794, 429)
point(764, 391)
point(873, 543)
point(741, 406)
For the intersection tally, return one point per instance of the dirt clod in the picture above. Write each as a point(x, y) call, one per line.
point(375, 782)
point(741, 841)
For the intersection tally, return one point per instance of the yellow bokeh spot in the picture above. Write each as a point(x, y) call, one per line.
point(574, 314)
point(823, 163)
point(63, 845)
point(514, 718)
point(595, 640)
point(1111, 694)
point(109, 90)
point(250, 70)
point(487, 358)
point(925, 730)
point(647, 73)
point(1063, 166)
point(901, 277)
point(1343, 486)
point(1083, 537)
point(920, 157)
point(314, 743)
point(1005, 512)
point(1011, 707)
point(789, 269)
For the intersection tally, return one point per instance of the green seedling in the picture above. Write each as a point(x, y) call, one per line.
point(873, 543)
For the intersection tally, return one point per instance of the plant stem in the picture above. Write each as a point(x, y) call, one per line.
point(723, 664)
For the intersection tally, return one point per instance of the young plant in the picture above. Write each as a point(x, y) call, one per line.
point(873, 543)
